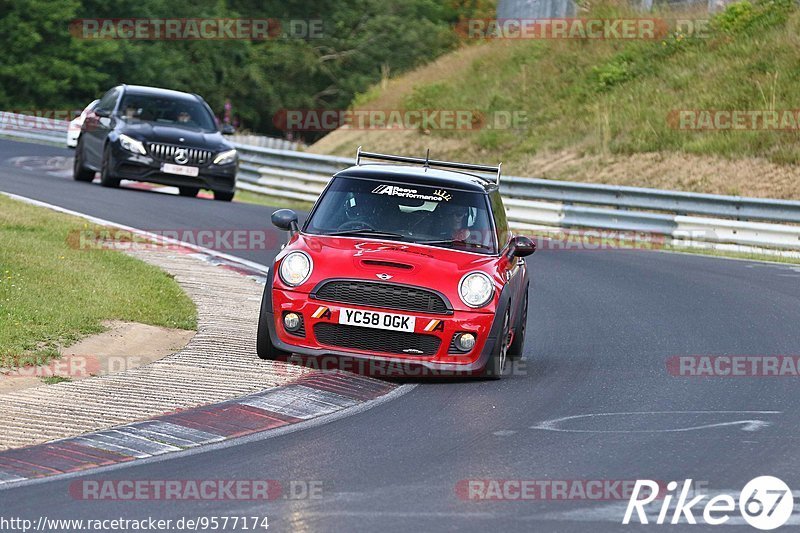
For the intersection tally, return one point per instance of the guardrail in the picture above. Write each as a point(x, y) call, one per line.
point(265, 141)
point(41, 129)
point(540, 204)
point(531, 203)
point(285, 173)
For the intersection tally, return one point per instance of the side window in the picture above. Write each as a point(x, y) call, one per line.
point(500, 222)
point(108, 100)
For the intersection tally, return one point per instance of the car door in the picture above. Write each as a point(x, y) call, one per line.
point(96, 127)
point(512, 268)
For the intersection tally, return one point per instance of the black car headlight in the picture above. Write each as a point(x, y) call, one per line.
point(132, 145)
point(226, 157)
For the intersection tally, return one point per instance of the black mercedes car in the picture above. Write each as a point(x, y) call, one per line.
point(159, 136)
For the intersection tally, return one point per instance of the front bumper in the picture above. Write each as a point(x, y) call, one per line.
point(137, 167)
point(440, 363)
point(72, 137)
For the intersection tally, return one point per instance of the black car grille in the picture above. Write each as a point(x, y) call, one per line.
point(167, 153)
point(452, 350)
point(382, 295)
point(375, 340)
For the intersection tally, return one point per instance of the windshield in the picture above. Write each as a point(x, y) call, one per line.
point(413, 213)
point(184, 113)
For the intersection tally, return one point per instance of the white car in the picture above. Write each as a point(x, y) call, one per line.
point(75, 125)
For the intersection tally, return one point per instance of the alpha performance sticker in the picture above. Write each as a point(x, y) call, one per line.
point(322, 312)
point(393, 190)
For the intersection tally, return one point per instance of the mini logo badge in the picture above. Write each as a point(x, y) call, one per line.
point(384, 277)
point(180, 156)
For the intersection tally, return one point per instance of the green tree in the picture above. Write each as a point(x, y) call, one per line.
point(45, 66)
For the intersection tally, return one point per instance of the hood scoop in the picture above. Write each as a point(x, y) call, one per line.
point(374, 263)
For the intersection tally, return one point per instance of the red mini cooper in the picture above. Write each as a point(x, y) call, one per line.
point(407, 265)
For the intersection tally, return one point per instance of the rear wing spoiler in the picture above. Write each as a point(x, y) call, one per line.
point(428, 162)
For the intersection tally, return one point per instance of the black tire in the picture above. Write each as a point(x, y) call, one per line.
point(498, 362)
point(264, 347)
point(106, 178)
point(515, 351)
point(224, 196)
point(190, 192)
point(79, 170)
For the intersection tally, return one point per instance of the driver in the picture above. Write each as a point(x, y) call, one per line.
point(453, 219)
point(184, 117)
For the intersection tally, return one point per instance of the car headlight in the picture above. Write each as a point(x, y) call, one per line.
point(132, 145)
point(295, 268)
point(223, 158)
point(476, 289)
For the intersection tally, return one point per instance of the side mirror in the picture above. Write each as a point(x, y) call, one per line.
point(105, 113)
point(522, 246)
point(227, 129)
point(285, 219)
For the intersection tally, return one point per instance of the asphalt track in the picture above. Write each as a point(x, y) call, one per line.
point(602, 325)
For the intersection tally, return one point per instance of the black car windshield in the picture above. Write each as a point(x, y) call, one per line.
point(167, 111)
point(413, 213)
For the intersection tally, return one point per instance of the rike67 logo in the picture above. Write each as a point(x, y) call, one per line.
point(765, 503)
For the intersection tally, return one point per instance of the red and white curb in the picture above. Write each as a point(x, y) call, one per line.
point(315, 395)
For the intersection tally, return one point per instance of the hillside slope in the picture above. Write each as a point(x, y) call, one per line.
point(605, 110)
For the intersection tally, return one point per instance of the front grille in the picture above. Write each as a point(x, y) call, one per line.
point(452, 350)
point(382, 295)
point(375, 340)
point(167, 152)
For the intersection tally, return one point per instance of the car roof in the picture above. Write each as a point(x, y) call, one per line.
point(158, 91)
point(416, 175)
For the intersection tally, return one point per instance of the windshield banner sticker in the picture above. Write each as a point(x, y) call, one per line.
point(393, 190)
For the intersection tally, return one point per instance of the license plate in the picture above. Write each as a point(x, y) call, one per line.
point(377, 320)
point(180, 170)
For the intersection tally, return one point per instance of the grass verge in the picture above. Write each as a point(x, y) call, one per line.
point(52, 294)
point(608, 110)
point(619, 96)
point(272, 201)
point(745, 256)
